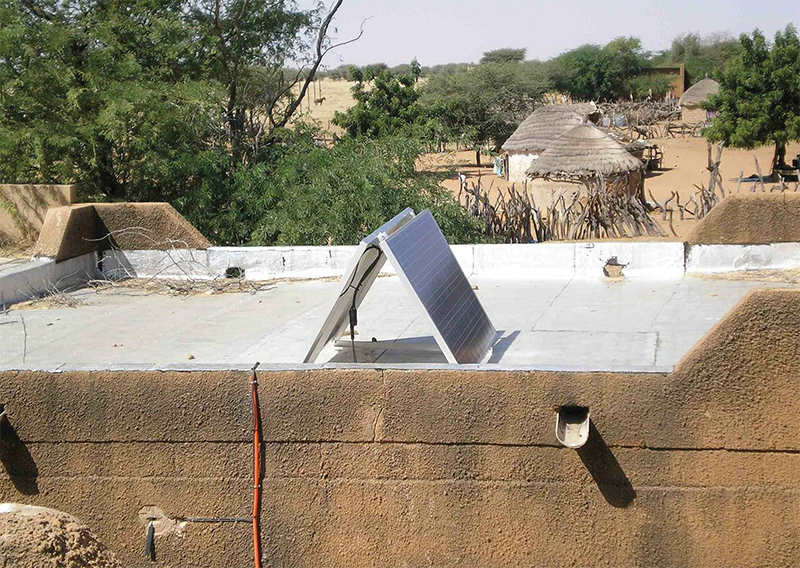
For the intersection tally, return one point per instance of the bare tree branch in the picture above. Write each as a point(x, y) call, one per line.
point(320, 53)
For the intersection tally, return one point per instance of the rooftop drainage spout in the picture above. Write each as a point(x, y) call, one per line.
point(572, 426)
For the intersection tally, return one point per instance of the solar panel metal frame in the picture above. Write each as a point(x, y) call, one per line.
point(440, 288)
point(338, 316)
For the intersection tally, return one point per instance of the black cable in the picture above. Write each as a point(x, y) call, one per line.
point(353, 313)
point(353, 277)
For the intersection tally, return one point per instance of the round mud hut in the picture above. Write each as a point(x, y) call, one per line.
point(691, 111)
point(535, 134)
point(584, 160)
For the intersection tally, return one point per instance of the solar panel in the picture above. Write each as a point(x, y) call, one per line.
point(426, 265)
point(362, 272)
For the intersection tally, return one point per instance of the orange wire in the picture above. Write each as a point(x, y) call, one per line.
point(256, 469)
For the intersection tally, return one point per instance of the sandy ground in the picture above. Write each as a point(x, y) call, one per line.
point(338, 97)
point(684, 166)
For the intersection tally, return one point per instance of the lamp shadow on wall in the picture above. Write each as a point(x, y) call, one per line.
point(17, 460)
point(606, 471)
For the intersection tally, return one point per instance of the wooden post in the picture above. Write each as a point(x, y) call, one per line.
point(760, 177)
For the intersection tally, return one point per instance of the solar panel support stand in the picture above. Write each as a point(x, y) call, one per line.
point(439, 288)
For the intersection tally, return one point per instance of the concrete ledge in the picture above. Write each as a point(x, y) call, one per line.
point(583, 260)
point(641, 259)
point(518, 261)
point(714, 259)
point(40, 276)
point(281, 367)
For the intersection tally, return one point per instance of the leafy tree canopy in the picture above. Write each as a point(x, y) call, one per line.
point(504, 55)
point(384, 108)
point(120, 96)
point(484, 103)
point(333, 196)
point(591, 72)
point(700, 56)
point(759, 97)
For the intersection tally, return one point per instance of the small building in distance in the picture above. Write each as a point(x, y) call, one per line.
point(535, 134)
point(676, 75)
point(691, 111)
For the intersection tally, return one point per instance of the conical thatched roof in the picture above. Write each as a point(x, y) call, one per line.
point(545, 125)
point(699, 92)
point(583, 151)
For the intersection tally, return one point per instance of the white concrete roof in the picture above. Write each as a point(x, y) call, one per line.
point(565, 323)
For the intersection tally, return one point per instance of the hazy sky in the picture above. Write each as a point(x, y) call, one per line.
point(444, 31)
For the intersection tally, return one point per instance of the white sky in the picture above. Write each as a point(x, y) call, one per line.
point(445, 31)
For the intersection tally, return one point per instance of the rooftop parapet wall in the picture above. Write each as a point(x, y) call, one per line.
point(76, 230)
point(23, 208)
point(513, 261)
point(751, 219)
point(426, 467)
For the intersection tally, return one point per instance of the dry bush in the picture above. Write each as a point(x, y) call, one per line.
point(601, 211)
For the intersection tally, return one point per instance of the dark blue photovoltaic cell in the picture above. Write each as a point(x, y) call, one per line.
point(423, 255)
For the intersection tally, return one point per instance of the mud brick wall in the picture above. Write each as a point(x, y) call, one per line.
point(697, 468)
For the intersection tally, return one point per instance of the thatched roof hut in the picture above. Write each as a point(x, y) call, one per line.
point(545, 125)
point(582, 152)
point(699, 92)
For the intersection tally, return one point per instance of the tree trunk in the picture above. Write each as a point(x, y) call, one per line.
point(779, 159)
point(234, 126)
point(478, 157)
point(106, 176)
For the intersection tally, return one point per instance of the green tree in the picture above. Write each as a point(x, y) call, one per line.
point(384, 108)
point(332, 196)
point(759, 97)
point(373, 70)
point(504, 55)
point(591, 72)
point(483, 104)
point(416, 69)
point(136, 90)
point(701, 57)
point(646, 86)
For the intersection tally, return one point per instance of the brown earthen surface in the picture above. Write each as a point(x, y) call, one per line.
point(752, 218)
point(36, 537)
point(434, 468)
point(23, 208)
point(146, 226)
point(75, 230)
point(68, 232)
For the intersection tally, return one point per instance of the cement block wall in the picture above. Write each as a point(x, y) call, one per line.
point(425, 467)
